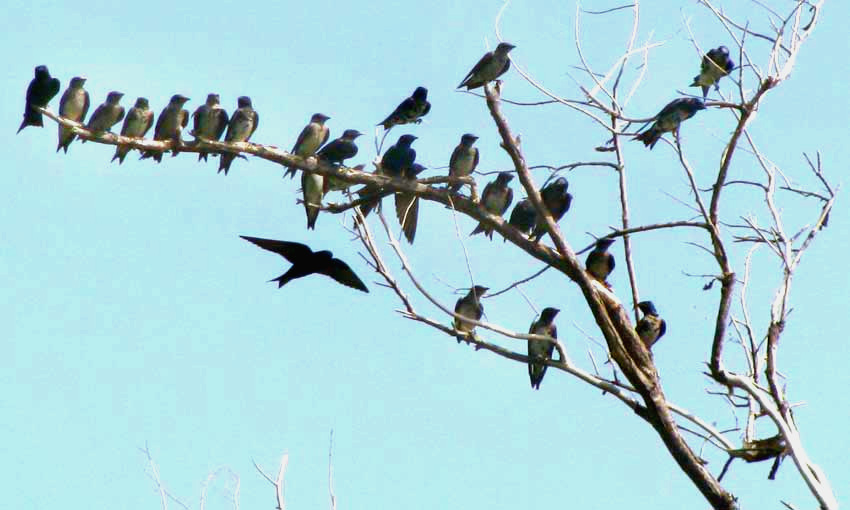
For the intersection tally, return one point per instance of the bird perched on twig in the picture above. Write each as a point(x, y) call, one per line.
point(496, 199)
point(492, 65)
point(469, 306)
point(107, 114)
point(243, 123)
point(209, 121)
point(464, 159)
point(557, 201)
point(715, 65)
point(407, 204)
point(651, 327)
point(136, 124)
point(313, 136)
point(669, 119)
point(599, 262)
point(411, 110)
point(40, 91)
point(524, 216)
point(541, 349)
point(169, 125)
point(340, 149)
point(74, 105)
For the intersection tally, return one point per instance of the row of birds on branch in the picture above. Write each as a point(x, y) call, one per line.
point(211, 121)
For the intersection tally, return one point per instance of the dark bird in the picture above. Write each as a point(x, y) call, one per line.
point(470, 307)
point(136, 125)
point(557, 200)
point(209, 121)
point(599, 262)
point(407, 204)
point(651, 327)
point(340, 149)
point(107, 115)
point(306, 262)
point(313, 136)
point(41, 90)
point(715, 65)
point(541, 349)
point(242, 125)
point(464, 159)
point(399, 158)
point(313, 190)
point(410, 110)
point(524, 216)
point(74, 105)
point(169, 125)
point(492, 65)
point(496, 199)
point(669, 118)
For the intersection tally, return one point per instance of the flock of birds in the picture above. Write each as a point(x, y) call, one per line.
point(211, 121)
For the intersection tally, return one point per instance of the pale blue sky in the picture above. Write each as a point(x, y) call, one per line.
point(134, 312)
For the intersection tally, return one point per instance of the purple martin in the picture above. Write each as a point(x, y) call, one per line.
point(209, 121)
point(313, 188)
point(399, 158)
point(470, 307)
point(669, 118)
point(492, 65)
point(715, 65)
point(107, 115)
point(464, 159)
point(74, 105)
point(306, 262)
point(411, 110)
point(651, 327)
point(40, 91)
point(169, 125)
point(136, 125)
point(407, 204)
point(524, 216)
point(313, 136)
point(340, 149)
point(557, 200)
point(496, 199)
point(599, 262)
point(242, 125)
point(541, 349)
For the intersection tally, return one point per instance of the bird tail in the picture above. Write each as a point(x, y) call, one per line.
point(282, 280)
point(65, 142)
point(31, 118)
point(482, 228)
point(407, 212)
point(202, 155)
point(290, 171)
point(649, 137)
point(312, 215)
point(120, 154)
point(226, 159)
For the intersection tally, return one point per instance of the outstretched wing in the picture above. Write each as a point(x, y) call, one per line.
point(339, 271)
point(295, 253)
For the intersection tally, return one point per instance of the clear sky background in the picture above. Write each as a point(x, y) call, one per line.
point(133, 313)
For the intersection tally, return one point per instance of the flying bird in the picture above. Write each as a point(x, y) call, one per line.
point(74, 105)
point(169, 125)
point(313, 136)
point(496, 199)
point(469, 306)
point(464, 159)
point(242, 125)
point(407, 204)
point(106, 115)
point(715, 65)
point(492, 65)
point(209, 121)
point(599, 262)
point(306, 262)
point(40, 91)
point(669, 119)
point(411, 110)
point(557, 200)
point(541, 349)
point(651, 327)
point(340, 149)
point(136, 125)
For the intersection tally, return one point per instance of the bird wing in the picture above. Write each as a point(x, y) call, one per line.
point(256, 124)
point(301, 136)
point(509, 198)
point(339, 271)
point(159, 121)
point(295, 253)
point(662, 328)
point(184, 118)
point(196, 121)
point(477, 67)
point(475, 161)
point(453, 159)
point(148, 122)
point(611, 262)
point(327, 135)
point(426, 109)
point(121, 112)
point(221, 120)
point(85, 110)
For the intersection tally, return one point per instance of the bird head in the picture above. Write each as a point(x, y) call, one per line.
point(647, 308)
point(504, 47)
point(420, 94)
point(78, 81)
point(319, 117)
point(603, 243)
point(504, 178)
point(114, 97)
point(695, 104)
point(478, 291)
point(213, 99)
point(406, 140)
point(351, 134)
point(723, 50)
point(468, 139)
point(42, 73)
point(244, 102)
point(179, 99)
point(549, 313)
point(142, 102)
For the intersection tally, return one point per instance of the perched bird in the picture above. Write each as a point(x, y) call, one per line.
point(715, 65)
point(496, 199)
point(669, 118)
point(557, 200)
point(524, 216)
point(306, 262)
point(340, 149)
point(541, 349)
point(107, 115)
point(40, 91)
point(399, 158)
point(136, 125)
point(74, 105)
point(313, 136)
point(492, 65)
point(407, 204)
point(410, 110)
point(242, 125)
point(209, 121)
point(470, 307)
point(313, 190)
point(599, 262)
point(169, 125)
point(651, 327)
point(464, 159)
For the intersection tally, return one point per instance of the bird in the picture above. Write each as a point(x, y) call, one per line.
point(136, 125)
point(313, 136)
point(107, 114)
point(40, 91)
point(411, 110)
point(496, 199)
point(669, 119)
point(305, 262)
point(651, 327)
point(524, 216)
point(557, 201)
point(599, 262)
point(399, 158)
point(340, 149)
point(715, 65)
point(464, 159)
point(469, 306)
point(407, 204)
point(313, 190)
point(492, 65)
point(209, 121)
point(169, 125)
point(74, 105)
point(242, 125)
point(541, 349)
